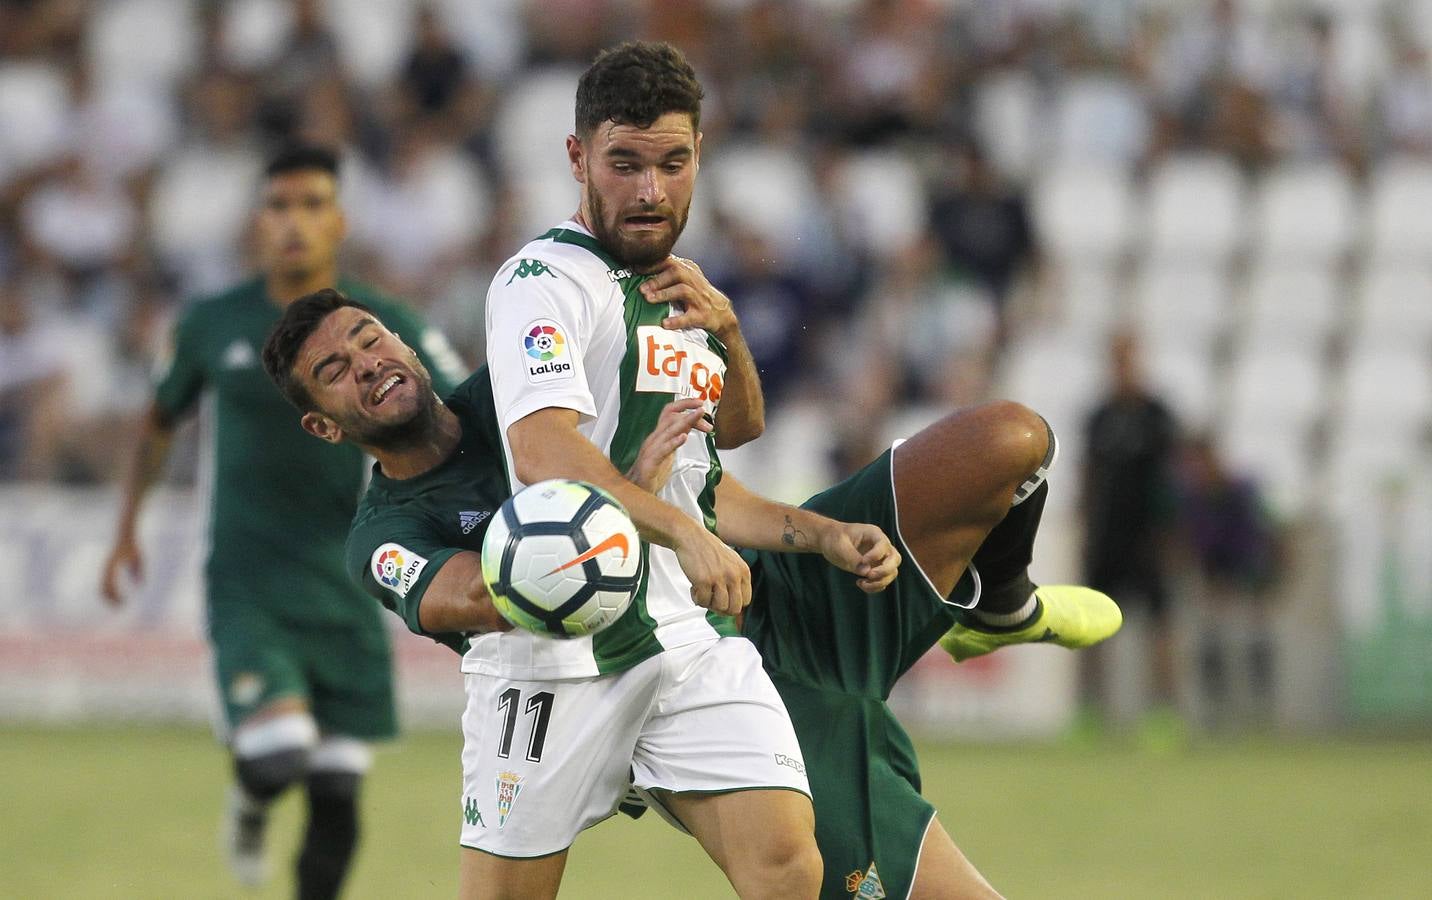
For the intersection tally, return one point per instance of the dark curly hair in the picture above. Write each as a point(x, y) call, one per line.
point(300, 319)
point(637, 83)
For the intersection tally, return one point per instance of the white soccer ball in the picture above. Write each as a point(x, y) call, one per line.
point(562, 558)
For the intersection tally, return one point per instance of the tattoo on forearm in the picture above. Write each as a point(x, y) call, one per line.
point(792, 536)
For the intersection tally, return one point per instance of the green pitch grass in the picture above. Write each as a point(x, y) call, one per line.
point(133, 814)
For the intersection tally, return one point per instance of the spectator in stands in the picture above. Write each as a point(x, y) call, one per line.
point(982, 224)
point(32, 386)
point(1402, 103)
point(1234, 547)
point(1130, 437)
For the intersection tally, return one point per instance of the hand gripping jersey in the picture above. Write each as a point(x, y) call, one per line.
point(567, 327)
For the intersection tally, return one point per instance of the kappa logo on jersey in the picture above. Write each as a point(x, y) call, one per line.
point(545, 346)
point(239, 355)
point(509, 785)
point(673, 362)
point(532, 267)
point(470, 813)
point(471, 519)
point(397, 568)
point(865, 885)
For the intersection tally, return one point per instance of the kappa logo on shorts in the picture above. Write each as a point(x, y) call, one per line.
point(397, 568)
point(470, 813)
point(509, 785)
point(865, 885)
point(790, 762)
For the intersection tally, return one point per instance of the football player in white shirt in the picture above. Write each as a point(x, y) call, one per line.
point(592, 329)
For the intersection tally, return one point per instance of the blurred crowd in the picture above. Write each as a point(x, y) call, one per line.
point(864, 188)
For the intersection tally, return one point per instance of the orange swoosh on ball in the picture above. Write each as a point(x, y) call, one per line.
point(617, 541)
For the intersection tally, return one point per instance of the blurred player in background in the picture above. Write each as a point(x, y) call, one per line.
point(969, 489)
point(302, 659)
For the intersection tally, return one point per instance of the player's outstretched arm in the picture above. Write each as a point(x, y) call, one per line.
point(546, 444)
point(125, 558)
point(457, 599)
point(653, 463)
point(741, 415)
point(746, 519)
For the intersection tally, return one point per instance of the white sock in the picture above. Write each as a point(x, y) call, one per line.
point(1005, 620)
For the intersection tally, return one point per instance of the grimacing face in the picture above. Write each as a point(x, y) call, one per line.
point(300, 224)
point(369, 387)
point(637, 185)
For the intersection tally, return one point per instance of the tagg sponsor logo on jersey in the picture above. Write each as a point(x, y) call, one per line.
point(509, 785)
point(865, 885)
point(546, 350)
point(397, 568)
point(671, 362)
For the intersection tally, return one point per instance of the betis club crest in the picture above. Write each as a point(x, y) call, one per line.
point(865, 885)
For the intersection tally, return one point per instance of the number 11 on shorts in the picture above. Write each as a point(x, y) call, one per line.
point(538, 708)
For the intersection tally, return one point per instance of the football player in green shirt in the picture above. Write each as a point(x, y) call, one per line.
point(302, 659)
point(961, 502)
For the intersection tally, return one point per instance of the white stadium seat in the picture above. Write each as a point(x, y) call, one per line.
point(1085, 212)
point(1196, 209)
point(1386, 392)
point(1187, 381)
point(1395, 307)
point(767, 187)
point(1183, 305)
point(1278, 388)
point(883, 200)
point(33, 100)
point(1304, 211)
point(1291, 304)
point(1399, 226)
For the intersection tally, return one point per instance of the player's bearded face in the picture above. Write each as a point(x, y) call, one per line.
point(367, 382)
point(637, 187)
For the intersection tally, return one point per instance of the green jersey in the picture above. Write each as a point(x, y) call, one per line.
point(281, 500)
point(405, 530)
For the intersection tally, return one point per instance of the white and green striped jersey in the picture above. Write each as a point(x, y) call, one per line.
point(567, 327)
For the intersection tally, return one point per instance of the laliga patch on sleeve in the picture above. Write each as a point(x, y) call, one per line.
point(397, 568)
point(545, 352)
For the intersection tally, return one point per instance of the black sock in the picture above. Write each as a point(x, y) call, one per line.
point(331, 836)
point(265, 777)
point(1003, 559)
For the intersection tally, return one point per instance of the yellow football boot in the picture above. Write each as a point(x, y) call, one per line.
point(1068, 615)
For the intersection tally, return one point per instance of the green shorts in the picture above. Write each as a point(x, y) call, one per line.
point(344, 673)
point(834, 653)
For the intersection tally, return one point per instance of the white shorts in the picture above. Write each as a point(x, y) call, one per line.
point(542, 760)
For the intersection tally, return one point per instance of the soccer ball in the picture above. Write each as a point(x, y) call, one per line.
point(562, 558)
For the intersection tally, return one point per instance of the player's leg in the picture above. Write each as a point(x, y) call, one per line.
point(271, 735)
point(762, 839)
point(541, 761)
point(336, 769)
point(943, 872)
point(970, 490)
point(955, 482)
point(349, 672)
point(720, 753)
point(483, 876)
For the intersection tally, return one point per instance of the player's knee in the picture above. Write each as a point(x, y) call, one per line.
point(1017, 438)
point(791, 866)
point(266, 775)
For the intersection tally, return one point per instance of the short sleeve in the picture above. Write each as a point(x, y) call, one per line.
point(394, 558)
point(180, 374)
point(538, 325)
